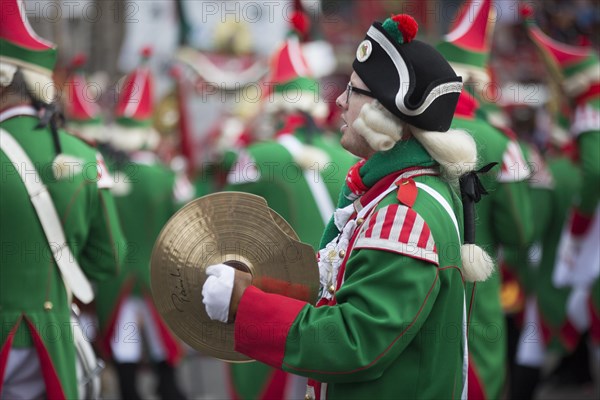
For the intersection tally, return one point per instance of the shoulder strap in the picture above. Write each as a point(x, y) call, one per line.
point(316, 186)
point(440, 199)
point(72, 275)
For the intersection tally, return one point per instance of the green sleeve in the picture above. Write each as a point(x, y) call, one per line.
point(513, 217)
point(589, 157)
point(104, 250)
point(381, 307)
point(518, 258)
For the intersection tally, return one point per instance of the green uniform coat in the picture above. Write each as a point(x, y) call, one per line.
point(392, 326)
point(503, 217)
point(145, 196)
point(29, 277)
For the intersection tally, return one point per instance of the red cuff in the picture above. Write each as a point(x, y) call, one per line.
point(262, 323)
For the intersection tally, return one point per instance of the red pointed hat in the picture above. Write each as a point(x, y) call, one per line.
point(21, 47)
point(290, 83)
point(135, 105)
point(80, 105)
point(288, 63)
point(468, 42)
point(579, 67)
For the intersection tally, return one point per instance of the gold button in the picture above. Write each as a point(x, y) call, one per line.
point(308, 397)
point(342, 253)
point(48, 305)
point(331, 289)
point(360, 221)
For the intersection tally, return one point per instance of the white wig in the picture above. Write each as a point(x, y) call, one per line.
point(454, 150)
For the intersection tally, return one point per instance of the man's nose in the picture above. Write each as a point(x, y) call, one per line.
point(340, 101)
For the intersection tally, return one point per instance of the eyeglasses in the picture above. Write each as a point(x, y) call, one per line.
point(350, 89)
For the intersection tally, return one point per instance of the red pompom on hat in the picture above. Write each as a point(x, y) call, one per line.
point(407, 26)
point(301, 23)
point(526, 11)
point(78, 61)
point(402, 27)
point(146, 52)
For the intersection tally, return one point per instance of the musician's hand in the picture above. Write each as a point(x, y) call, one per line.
point(223, 290)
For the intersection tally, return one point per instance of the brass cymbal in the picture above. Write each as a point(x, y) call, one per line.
point(234, 228)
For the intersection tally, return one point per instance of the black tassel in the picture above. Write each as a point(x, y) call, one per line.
point(471, 191)
point(311, 127)
point(51, 117)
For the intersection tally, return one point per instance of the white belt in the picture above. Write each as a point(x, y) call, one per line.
point(73, 277)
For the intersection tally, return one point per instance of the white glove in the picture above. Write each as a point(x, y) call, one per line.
point(216, 291)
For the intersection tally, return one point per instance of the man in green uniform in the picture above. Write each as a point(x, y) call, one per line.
point(564, 304)
point(391, 315)
point(299, 172)
point(146, 194)
point(504, 217)
point(578, 262)
point(547, 319)
point(37, 355)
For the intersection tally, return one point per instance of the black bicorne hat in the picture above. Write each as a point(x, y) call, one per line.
point(409, 78)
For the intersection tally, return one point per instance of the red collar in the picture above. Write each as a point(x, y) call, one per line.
point(467, 105)
point(292, 122)
point(386, 181)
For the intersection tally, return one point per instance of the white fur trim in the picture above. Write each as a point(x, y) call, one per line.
point(7, 73)
point(455, 150)
point(25, 65)
point(95, 132)
point(153, 140)
point(498, 119)
point(304, 155)
point(477, 264)
point(229, 132)
point(133, 139)
point(380, 128)
point(580, 82)
point(306, 101)
point(310, 156)
point(65, 167)
point(320, 57)
point(471, 73)
point(559, 136)
point(121, 186)
point(41, 86)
